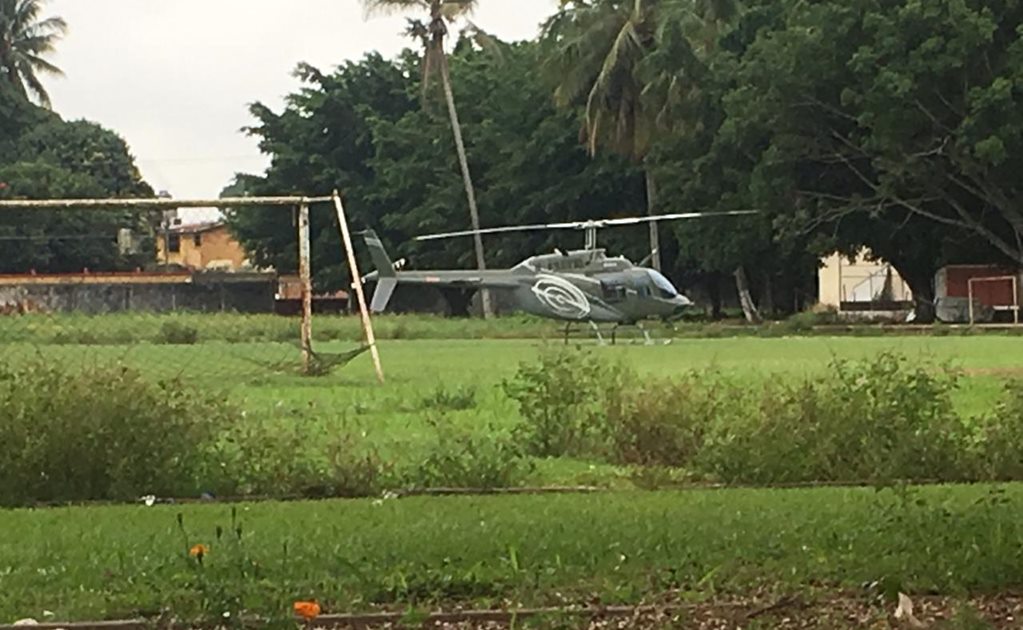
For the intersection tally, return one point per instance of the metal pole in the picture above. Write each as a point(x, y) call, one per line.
point(305, 274)
point(1015, 300)
point(367, 323)
point(969, 294)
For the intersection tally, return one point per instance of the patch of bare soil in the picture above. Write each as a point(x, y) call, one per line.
point(785, 613)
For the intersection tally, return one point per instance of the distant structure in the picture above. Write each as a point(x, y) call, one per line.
point(864, 285)
point(207, 246)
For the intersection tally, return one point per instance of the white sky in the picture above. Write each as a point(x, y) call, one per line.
point(175, 77)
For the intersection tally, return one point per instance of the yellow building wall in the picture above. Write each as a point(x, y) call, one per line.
point(216, 246)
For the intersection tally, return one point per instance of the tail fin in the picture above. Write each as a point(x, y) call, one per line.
point(385, 268)
point(387, 278)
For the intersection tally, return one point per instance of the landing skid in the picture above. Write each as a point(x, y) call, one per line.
point(647, 340)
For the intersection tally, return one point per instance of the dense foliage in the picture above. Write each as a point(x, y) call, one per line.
point(881, 419)
point(44, 157)
point(887, 125)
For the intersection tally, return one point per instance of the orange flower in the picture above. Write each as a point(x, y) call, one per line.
point(198, 551)
point(307, 610)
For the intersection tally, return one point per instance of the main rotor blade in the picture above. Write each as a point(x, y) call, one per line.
point(499, 230)
point(673, 217)
point(582, 225)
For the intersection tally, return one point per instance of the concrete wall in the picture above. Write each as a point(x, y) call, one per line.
point(210, 296)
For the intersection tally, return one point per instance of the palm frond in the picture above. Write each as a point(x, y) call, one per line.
point(28, 75)
point(39, 64)
point(391, 7)
point(452, 10)
point(29, 38)
point(486, 41)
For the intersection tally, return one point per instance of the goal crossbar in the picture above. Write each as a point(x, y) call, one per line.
point(158, 203)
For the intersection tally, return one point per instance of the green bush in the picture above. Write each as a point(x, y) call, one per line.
point(881, 419)
point(280, 460)
point(179, 334)
point(464, 459)
point(105, 434)
point(998, 449)
point(877, 419)
point(665, 422)
point(444, 399)
point(564, 400)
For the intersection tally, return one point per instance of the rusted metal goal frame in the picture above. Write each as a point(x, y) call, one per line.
point(1015, 296)
point(301, 203)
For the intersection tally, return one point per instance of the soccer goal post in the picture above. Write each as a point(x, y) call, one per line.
point(300, 206)
point(1013, 306)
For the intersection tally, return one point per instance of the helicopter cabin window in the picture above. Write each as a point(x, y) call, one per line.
point(613, 292)
point(665, 288)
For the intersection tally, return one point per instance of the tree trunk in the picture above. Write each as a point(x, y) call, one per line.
point(922, 286)
point(749, 309)
point(767, 299)
point(470, 191)
point(714, 295)
point(651, 202)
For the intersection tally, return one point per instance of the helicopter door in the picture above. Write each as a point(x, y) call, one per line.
point(612, 292)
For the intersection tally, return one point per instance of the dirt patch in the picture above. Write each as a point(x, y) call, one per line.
point(785, 613)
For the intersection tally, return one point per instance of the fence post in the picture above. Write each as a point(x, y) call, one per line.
point(305, 274)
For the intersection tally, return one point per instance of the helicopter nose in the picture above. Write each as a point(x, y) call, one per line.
point(680, 301)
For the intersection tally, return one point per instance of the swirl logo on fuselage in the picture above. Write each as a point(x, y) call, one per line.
point(562, 297)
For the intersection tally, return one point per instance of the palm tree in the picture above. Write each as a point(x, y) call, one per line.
point(625, 62)
point(432, 35)
point(24, 40)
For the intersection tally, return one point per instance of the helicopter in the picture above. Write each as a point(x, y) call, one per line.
point(578, 286)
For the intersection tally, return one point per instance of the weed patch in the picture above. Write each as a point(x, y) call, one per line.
point(105, 433)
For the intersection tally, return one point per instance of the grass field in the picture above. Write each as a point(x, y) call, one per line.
point(108, 562)
point(394, 417)
point(358, 555)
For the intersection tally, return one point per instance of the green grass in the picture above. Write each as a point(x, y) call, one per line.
point(90, 563)
point(395, 416)
point(106, 562)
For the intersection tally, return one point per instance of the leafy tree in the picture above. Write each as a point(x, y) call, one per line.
point(888, 125)
point(25, 40)
point(16, 116)
point(54, 159)
point(85, 148)
point(362, 129)
point(432, 34)
point(49, 241)
point(323, 139)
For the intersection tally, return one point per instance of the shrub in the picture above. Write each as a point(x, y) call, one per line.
point(998, 449)
point(564, 399)
point(105, 433)
point(664, 422)
point(464, 459)
point(444, 399)
point(176, 333)
point(877, 419)
point(280, 460)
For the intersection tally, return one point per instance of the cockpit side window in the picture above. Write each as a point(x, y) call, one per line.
point(664, 286)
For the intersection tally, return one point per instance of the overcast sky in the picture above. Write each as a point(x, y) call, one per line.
point(174, 77)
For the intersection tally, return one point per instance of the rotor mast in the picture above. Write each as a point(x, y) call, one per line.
point(591, 235)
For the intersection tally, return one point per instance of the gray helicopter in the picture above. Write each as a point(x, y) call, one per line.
point(580, 286)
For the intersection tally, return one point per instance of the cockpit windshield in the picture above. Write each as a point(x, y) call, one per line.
point(664, 286)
